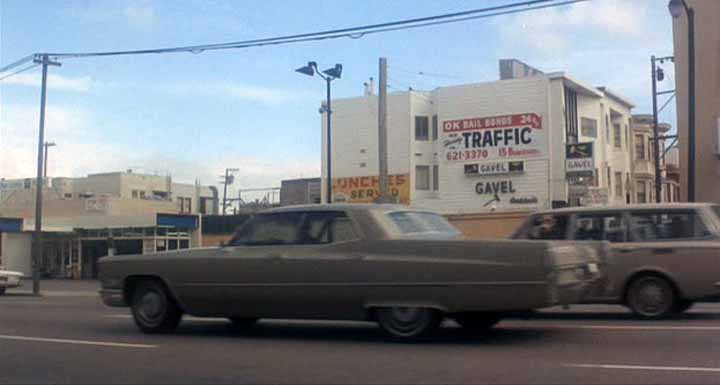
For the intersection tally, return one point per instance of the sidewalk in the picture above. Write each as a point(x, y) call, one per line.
point(59, 288)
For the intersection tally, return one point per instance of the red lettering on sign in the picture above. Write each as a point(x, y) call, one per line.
point(520, 120)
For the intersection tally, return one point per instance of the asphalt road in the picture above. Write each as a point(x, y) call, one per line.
point(68, 337)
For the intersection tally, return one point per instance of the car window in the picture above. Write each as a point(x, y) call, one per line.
point(419, 222)
point(326, 227)
point(651, 226)
point(600, 227)
point(547, 226)
point(270, 229)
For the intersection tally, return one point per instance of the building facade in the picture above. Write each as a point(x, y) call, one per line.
point(644, 162)
point(707, 98)
point(299, 191)
point(493, 148)
point(85, 219)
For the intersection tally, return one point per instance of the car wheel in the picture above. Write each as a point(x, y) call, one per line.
point(408, 323)
point(683, 306)
point(153, 309)
point(477, 321)
point(651, 297)
point(2, 290)
point(242, 323)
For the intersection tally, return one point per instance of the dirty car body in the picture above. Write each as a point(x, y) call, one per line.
point(349, 262)
point(9, 279)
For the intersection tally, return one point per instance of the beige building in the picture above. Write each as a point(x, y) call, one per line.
point(87, 218)
point(707, 97)
point(487, 154)
point(644, 162)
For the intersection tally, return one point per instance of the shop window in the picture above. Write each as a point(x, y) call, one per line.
point(422, 177)
point(172, 244)
point(184, 243)
point(421, 128)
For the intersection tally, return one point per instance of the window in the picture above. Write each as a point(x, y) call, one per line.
point(616, 135)
point(609, 180)
point(547, 227)
point(618, 184)
point(639, 147)
point(269, 229)
point(436, 177)
point(600, 227)
point(434, 127)
point(607, 129)
point(571, 117)
point(651, 153)
point(418, 222)
point(588, 127)
point(142, 194)
point(188, 205)
point(135, 194)
point(204, 205)
point(640, 191)
point(422, 177)
point(421, 128)
point(184, 244)
point(323, 227)
point(596, 178)
point(172, 244)
point(652, 226)
point(627, 136)
point(68, 195)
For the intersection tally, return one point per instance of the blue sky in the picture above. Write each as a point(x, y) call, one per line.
point(191, 115)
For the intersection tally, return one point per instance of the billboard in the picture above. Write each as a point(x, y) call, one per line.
point(494, 138)
point(579, 159)
point(365, 189)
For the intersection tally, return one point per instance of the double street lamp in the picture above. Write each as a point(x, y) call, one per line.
point(328, 75)
point(677, 7)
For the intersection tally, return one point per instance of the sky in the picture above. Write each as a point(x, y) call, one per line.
point(192, 115)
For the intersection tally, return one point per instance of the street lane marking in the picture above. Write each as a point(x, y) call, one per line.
point(78, 342)
point(508, 325)
point(614, 327)
point(645, 367)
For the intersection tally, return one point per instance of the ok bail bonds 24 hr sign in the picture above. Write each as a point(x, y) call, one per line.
point(495, 137)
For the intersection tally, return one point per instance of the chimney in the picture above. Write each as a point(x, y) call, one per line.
point(369, 87)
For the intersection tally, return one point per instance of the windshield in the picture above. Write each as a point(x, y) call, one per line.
point(418, 222)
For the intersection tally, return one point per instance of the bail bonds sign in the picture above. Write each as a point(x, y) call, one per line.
point(495, 138)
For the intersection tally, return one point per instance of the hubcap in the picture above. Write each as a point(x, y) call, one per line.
point(151, 307)
point(651, 299)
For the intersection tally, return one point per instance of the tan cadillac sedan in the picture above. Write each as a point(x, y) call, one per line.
point(665, 257)
point(404, 269)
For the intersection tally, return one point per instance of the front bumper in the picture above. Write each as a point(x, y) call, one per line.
point(113, 297)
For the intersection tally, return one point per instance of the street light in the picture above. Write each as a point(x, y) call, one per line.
point(328, 75)
point(46, 145)
point(676, 8)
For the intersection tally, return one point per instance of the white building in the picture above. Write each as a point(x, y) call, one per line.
point(486, 147)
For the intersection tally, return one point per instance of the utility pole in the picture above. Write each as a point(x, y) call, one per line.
point(328, 146)
point(228, 179)
point(37, 248)
point(382, 132)
point(46, 145)
point(691, 103)
point(656, 141)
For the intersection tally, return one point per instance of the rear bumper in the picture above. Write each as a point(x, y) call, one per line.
point(113, 297)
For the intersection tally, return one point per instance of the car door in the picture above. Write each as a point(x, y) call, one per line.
point(676, 243)
point(251, 277)
point(608, 226)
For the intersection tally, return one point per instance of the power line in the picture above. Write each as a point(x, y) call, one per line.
point(17, 63)
point(354, 32)
point(667, 102)
point(424, 73)
point(20, 71)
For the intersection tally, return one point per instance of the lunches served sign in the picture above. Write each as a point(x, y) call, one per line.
point(495, 138)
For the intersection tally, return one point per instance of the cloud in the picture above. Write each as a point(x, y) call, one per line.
point(554, 31)
point(80, 152)
point(56, 82)
point(233, 90)
point(140, 12)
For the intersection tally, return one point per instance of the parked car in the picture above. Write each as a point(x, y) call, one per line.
point(9, 279)
point(665, 257)
point(402, 268)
